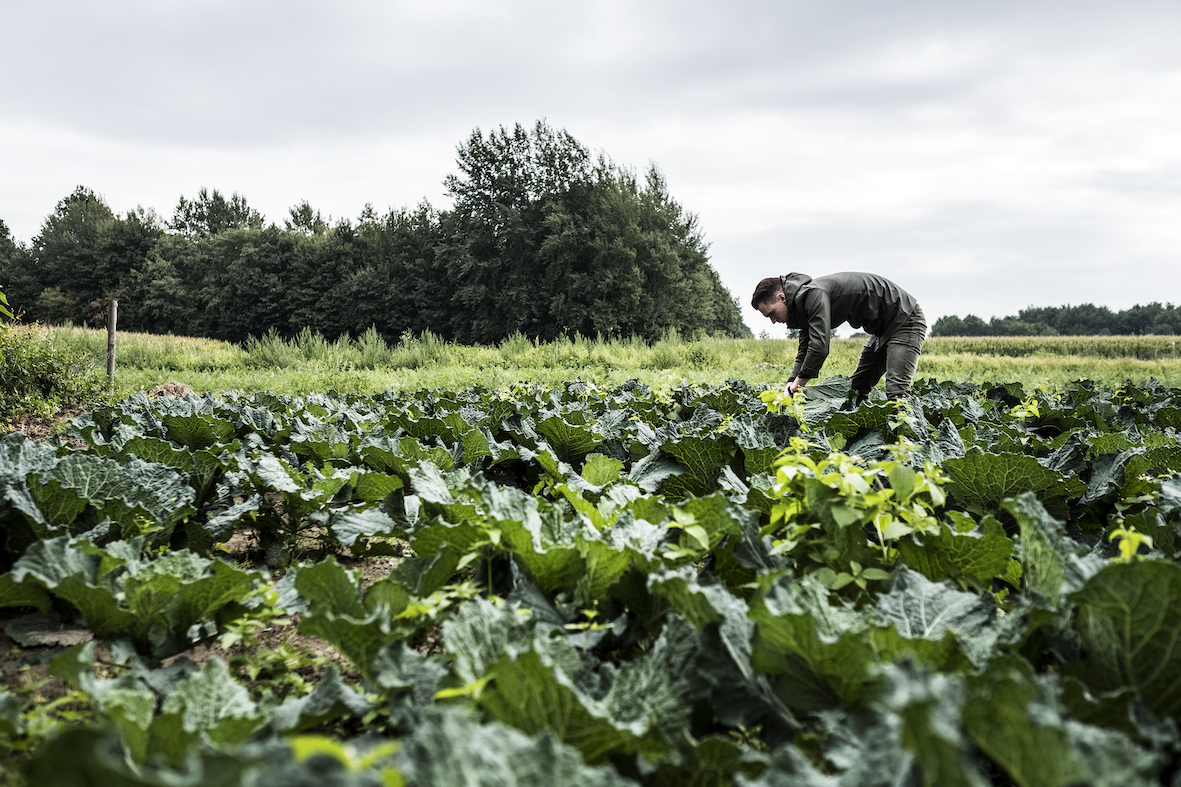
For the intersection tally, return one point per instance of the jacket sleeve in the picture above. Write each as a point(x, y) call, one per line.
point(814, 350)
point(800, 355)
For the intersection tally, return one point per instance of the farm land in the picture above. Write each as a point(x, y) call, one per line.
point(596, 562)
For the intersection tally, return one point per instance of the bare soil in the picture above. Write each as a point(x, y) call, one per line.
point(24, 669)
point(39, 427)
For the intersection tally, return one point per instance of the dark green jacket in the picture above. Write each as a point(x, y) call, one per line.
point(867, 301)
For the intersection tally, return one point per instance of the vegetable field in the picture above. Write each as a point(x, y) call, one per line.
point(575, 585)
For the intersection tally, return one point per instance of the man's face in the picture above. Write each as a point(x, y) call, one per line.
point(775, 309)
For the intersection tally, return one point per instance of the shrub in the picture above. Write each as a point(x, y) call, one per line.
point(664, 356)
point(373, 350)
point(698, 356)
point(312, 345)
point(40, 377)
point(416, 353)
point(515, 346)
point(271, 351)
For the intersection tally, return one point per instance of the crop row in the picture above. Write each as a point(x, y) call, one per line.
point(678, 586)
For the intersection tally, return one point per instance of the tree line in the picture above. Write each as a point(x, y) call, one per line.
point(1084, 320)
point(542, 239)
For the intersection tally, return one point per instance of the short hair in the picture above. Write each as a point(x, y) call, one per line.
point(766, 290)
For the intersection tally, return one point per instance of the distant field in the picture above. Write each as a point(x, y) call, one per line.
point(367, 364)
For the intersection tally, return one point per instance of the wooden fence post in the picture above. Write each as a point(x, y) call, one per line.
point(112, 317)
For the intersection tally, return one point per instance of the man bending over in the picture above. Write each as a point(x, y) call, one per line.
point(888, 313)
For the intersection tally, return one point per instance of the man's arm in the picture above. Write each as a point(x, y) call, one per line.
point(819, 328)
point(800, 354)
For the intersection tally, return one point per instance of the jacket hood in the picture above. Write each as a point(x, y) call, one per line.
point(792, 283)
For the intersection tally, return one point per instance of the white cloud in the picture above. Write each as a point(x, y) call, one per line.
point(988, 156)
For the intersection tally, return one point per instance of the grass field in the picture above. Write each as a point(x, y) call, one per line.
point(367, 364)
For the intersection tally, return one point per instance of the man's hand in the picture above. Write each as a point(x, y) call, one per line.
point(796, 385)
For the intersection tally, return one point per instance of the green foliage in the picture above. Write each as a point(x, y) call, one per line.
point(543, 240)
point(5, 312)
point(625, 585)
point(1083, 320)
point(39, 376)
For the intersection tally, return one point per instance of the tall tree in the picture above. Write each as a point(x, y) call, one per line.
point(248, 276)
point(303, 218)
point(544, 239)
point(211, 213)
point(491, 238)
point(18, 273)
point(68, 255)
point(400, 253)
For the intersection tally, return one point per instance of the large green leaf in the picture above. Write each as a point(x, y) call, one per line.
point(22, 594)
point(572, 434)
point(739, 695)
point(647, 703)
point(978, 556)
point(1129, 618)
point(982, 481)
point(205, 703)
point(73, 575)
point(921, 609)
point(331, 699)
point(1007, 715)
point(929, 705)
point(21, 456)
point(452, 750)
point(358, 629)
point(320, 440)
point(928, 617)
point(197, 431)
point(409, 681)
point(819, 653)
point(703, 456)
point(1050, 565)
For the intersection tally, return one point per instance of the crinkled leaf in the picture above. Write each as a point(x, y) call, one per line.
point(197, 431)
point(409, 680)
point(331, 699)
point(818, 653)
point(975, 556)
point(1050, 566)
point(209, 703)
point(450, 750)
point(349, 526)
point(1006, 715)
point(571, 436)
point(982, 481)
point(1129, 618)
point(921, 609)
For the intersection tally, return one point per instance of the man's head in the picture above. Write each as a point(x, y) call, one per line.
point(770, 300)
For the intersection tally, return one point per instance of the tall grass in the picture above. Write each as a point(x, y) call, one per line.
point(151, 351)
point(1144, 348)
point(369, 363)
point(419, 352)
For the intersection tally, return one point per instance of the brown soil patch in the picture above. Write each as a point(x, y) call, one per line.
point(39, 427)
point(24, 670)
point(171, 388)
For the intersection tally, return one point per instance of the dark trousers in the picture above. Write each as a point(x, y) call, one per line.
point(897, 358)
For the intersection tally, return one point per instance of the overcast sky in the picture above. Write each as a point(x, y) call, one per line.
point(987, 156)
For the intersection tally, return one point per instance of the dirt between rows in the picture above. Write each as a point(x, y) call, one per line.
point(39, 427)
point(24, 668)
